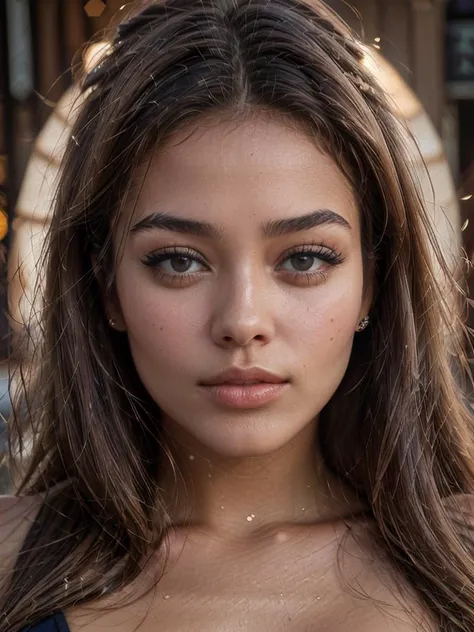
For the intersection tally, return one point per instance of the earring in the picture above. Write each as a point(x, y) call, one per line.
point(363, 324)
point(112, 322)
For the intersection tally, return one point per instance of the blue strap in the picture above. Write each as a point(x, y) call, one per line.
point(55, 623)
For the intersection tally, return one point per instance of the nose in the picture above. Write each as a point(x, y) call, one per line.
point(243, 313)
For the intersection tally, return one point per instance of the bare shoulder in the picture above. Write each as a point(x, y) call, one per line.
point(17, 514)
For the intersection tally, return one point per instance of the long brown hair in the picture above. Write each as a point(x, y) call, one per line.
point(397, 430)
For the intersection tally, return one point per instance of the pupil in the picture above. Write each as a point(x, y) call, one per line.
point(180, 264)
point(302, 263)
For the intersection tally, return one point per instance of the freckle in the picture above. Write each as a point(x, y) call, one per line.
point(331, 339)
point(332, 320)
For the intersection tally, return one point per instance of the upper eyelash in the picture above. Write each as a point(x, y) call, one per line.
point(327, 254)
point(324, 252)
point(155, 257)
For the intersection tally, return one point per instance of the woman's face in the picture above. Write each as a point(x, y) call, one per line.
point(241, 284)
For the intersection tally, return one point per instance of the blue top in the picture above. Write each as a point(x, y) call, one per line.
point(56, 623)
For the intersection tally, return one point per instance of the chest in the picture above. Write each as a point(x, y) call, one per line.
point(287, 586)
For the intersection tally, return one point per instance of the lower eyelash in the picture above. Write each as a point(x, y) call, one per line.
point(309, 277)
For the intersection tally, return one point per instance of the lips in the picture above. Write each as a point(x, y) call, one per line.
point(241, 377)
point(245, 388)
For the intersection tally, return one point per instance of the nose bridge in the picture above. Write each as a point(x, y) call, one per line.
point(243, 309)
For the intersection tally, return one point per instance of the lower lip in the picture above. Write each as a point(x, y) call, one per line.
point(246, 395)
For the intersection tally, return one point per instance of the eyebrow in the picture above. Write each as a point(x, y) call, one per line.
point(163, 221)
point(271, 229)
point(321, 217)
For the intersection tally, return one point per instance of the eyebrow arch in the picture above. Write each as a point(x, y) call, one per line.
point(271, 229)
point(280, 227)
point(164, 221)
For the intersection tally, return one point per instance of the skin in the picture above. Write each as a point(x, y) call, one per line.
point(245, 305)
point(271, 541)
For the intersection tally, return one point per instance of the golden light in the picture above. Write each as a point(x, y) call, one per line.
point(94, 54)
point(3, 224)
point(94, 8)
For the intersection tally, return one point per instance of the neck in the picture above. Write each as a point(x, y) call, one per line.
point(237, 497)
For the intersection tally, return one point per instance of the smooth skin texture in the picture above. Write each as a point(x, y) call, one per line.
point(216, 271)
point(244, 302)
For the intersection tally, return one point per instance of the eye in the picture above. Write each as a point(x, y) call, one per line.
point(302, 262)
point(180, 264)
point(175, 262)
point(309, 260)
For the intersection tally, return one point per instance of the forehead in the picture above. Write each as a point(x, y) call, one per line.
point(253, 170)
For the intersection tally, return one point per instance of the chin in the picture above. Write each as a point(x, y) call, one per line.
point(242, 449)
point(252, 436)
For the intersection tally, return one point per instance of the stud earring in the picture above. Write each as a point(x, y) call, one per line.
point(363, 324)
point(112, 322)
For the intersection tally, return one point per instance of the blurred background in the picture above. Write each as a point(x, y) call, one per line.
point(421, 50)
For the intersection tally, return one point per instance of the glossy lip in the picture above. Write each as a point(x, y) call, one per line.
point(242, 376)
point(245, 388)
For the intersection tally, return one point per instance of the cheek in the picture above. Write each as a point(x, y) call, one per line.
point(322, 323)
point(160, 325)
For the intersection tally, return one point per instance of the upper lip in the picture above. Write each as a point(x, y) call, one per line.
point(252, 375)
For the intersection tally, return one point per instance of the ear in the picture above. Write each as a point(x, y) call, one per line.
point(110, 301)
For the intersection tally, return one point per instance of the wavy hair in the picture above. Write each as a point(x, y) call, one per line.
point(397, 431)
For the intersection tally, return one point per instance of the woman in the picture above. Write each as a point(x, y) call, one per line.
point(243, 414)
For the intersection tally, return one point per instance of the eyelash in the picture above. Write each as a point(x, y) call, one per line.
point(328, 255)
point(153, 259)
